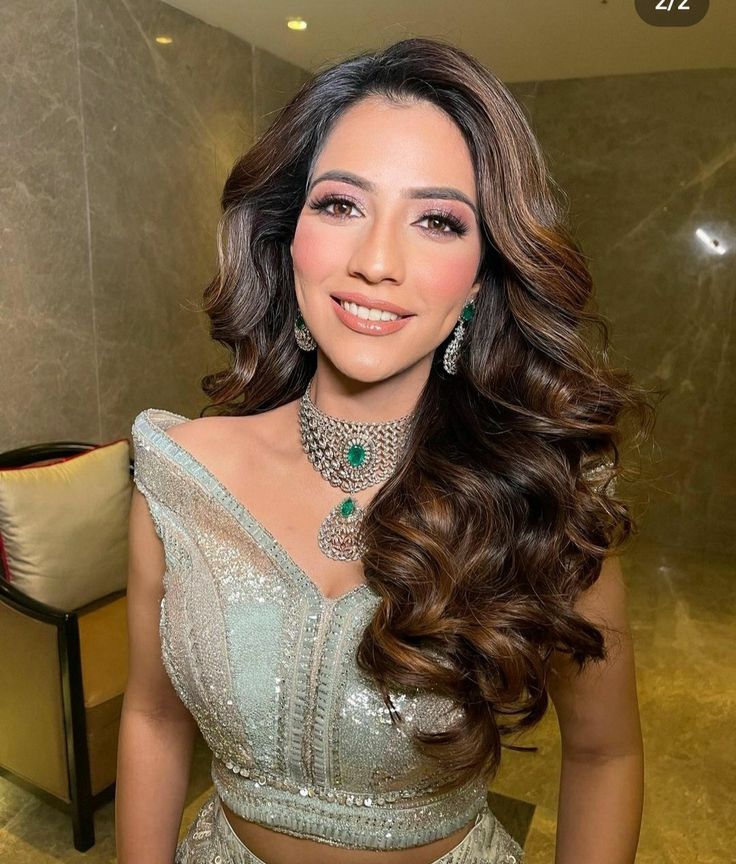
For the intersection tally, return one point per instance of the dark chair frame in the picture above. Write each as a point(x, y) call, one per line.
point(83, 803)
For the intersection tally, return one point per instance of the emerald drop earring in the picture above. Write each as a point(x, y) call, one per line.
point(302, 334)
point(452, 351)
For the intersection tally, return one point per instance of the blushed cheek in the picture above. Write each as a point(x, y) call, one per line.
point(449, 277)
point(316, 256)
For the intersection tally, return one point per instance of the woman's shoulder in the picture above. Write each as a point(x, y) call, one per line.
point(229, 441)
point(263, 424)
point(154, 430)
point(229, 447)
point(211, 440)
point(196, 431)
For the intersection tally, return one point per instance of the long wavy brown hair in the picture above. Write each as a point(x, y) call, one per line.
point(491, 527)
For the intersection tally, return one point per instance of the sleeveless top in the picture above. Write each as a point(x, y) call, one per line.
point(301, 739)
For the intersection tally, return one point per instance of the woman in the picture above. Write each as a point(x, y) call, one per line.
point(396, 532)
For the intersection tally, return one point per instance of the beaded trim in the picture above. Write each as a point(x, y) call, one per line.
point(317, 813)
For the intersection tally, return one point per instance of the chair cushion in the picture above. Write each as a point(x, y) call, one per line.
point(64, 526)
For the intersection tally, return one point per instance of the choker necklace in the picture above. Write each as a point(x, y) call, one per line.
point(352, 456)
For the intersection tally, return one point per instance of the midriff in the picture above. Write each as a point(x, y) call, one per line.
point(275, 847)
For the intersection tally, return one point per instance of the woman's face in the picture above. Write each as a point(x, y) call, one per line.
point(390, 215)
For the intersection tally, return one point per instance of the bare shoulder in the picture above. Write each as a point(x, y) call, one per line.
point(195, 435)
point(216, 440)
point(205, 437)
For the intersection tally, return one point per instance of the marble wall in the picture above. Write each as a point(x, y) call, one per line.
point(646, 161)
point(114, 151)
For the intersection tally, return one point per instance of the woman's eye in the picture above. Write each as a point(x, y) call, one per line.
point(437, 223)
point(444, 224)
point(342, 207)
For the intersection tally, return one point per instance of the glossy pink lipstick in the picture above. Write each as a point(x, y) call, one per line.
point(366, 325)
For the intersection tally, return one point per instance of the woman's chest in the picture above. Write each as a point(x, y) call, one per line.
point(268, 668)
point(287, 498)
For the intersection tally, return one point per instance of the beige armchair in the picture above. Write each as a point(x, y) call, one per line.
point(63, 629)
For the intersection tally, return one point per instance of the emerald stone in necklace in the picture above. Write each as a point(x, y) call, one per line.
point(356, 455)
point(340, 532)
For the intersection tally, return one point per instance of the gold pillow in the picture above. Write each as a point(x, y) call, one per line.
point(64, 526)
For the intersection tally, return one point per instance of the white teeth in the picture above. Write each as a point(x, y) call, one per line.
point(368, 314)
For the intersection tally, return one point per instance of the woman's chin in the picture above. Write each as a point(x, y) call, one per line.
point(371, 369)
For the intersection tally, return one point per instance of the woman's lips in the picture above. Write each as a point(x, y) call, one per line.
point(366, 325)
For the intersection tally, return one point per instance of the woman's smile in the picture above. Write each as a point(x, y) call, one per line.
point(364, 323)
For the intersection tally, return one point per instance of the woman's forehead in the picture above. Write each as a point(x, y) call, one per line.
point(414, 142)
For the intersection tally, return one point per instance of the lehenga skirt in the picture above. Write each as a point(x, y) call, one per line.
point(212, 840)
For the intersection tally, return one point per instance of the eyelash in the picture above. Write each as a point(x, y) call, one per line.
point(456, 225)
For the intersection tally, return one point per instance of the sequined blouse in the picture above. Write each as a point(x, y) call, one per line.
point(301, 739)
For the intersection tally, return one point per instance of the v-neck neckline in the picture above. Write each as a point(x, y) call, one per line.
point(255, 529)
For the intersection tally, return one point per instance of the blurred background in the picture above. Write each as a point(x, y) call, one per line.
point(120, 121)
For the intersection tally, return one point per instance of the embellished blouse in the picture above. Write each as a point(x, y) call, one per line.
point(301, 739)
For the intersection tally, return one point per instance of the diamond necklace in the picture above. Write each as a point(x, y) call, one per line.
point(352, 456)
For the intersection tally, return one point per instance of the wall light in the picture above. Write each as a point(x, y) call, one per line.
point(712, 244)
point(164, 40)
point(296, 24)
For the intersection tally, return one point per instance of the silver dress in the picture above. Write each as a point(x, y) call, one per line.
point(301, 740)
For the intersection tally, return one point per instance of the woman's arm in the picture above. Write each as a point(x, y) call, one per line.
point(156, 731)
point(602, 774)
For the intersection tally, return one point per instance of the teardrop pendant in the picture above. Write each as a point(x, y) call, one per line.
point(339, 534)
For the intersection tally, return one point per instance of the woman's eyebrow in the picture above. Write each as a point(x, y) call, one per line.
point(445, 192)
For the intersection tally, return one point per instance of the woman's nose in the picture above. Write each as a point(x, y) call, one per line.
point(377, 254)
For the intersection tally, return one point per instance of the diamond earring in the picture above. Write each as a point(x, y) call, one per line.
point(453, 348)
point(302, 334)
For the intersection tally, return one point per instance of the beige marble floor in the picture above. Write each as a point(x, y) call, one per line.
point(683, 611)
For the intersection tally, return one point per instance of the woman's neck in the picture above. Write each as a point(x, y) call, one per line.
point(344, 398)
